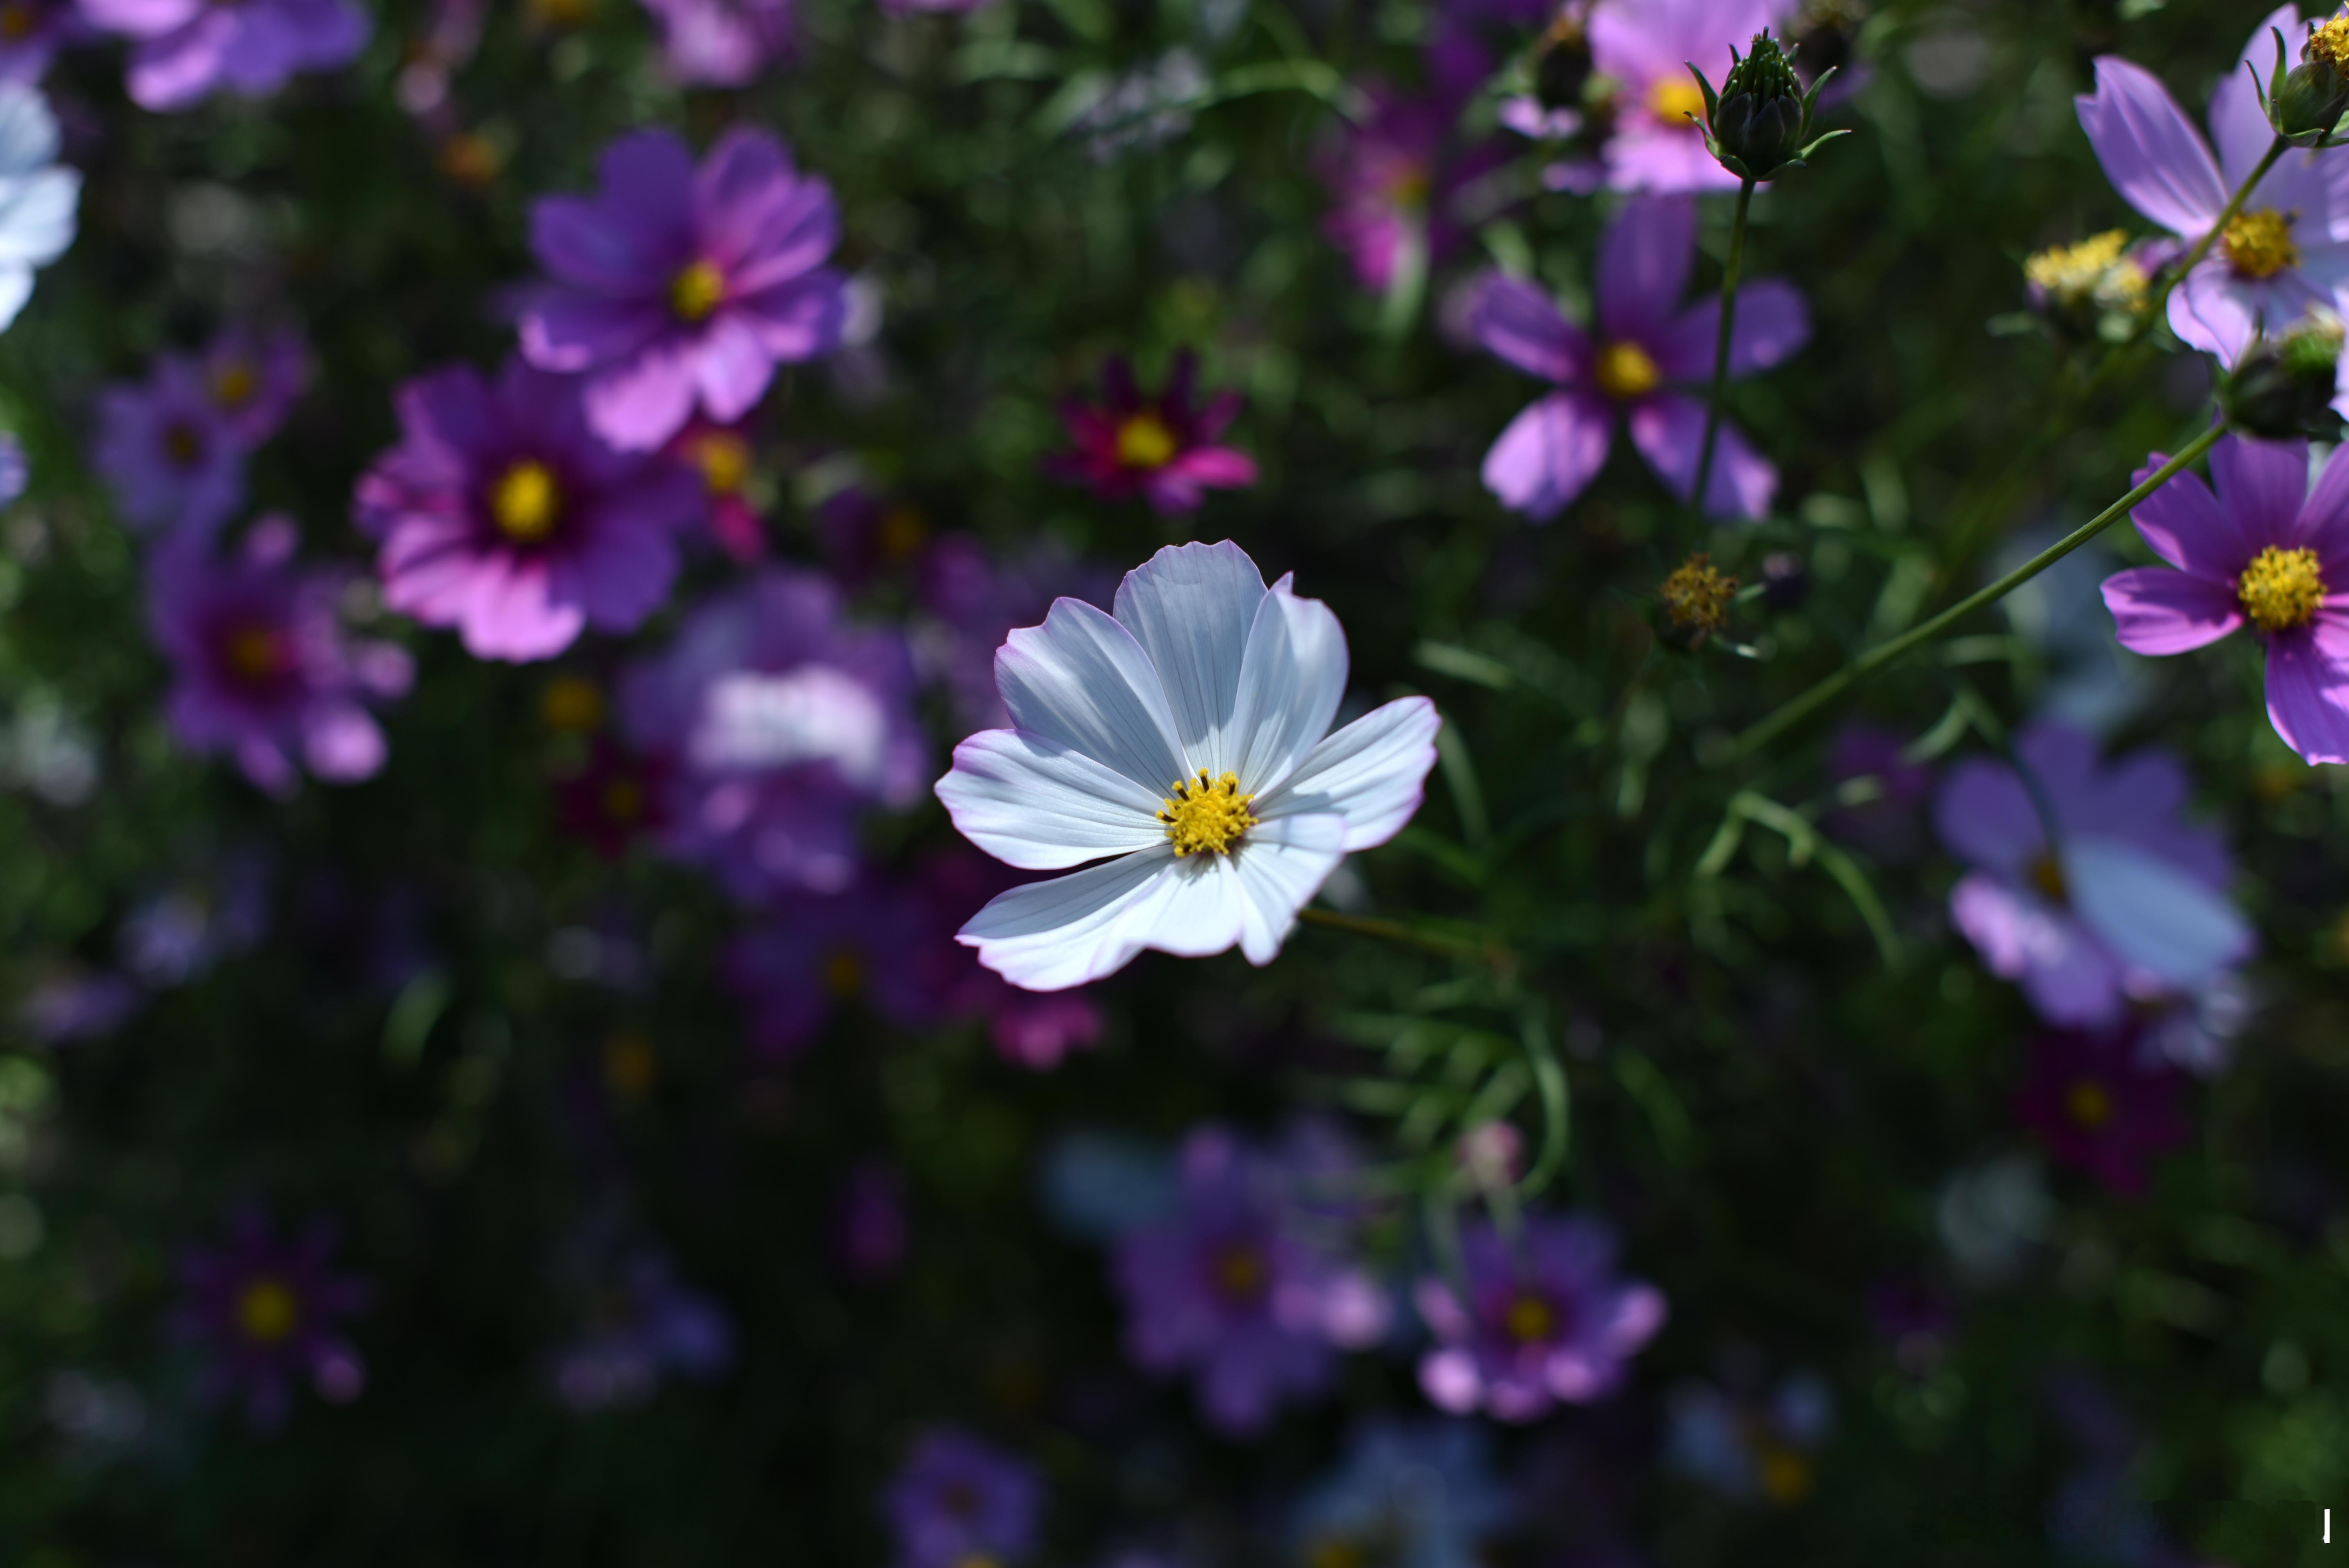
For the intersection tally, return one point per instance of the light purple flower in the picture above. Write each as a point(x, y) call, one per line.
point(675, 286)
point(783, 724)
point(1417, 1495)
point(264, 1311)
point(1545, 1320)
point(168, 452)
point(977, 599)
point(1397, 180)
point(2266, 550)
point(959, 1500)
point(1647, 47)
point(875, 945)
point(641, 1325)
point(265, 671)
point(31, 31)
point(179, 933)
point(1245, 1285)
point(16, 470)
point(500, 514)
point(1645, 345)
point(188, 49)
point(2287, 250)
point(722, 43)
point(2130, 902)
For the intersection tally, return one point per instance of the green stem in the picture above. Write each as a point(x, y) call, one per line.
point(1394, 931)
point(1729, 279)
point(2158, 310)
point(1875, 659)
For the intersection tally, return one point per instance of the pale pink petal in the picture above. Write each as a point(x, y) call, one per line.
point(1668, 431)
point(1549, 452)
point(1643, 268)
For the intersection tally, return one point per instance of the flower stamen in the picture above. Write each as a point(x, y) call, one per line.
point(1143, 441)
point(266, 1311)
point(2259, 244)
point(697, 291)
point(2282, 590)
point(526, 502)
point(1697, 596)
point(2330, 44)
point(1625, 371)
point(1208, 816)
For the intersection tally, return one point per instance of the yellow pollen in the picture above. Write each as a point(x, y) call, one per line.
point(1208, 816)
point(724, 460)
point(1625, 371)
point(1698, 597)
point(2281, 589)
point(1785, 1475)
point(2090, 1103)
point(2048, 878)
point(1143, 441)
point(571, 704)
point(1335, 1552)
point(255, 653)
point(697, 291)
point(1239, 1273)
point(2097, 269)
point(2259, 244)
point(234, 383)
point(526, 503)
point(843, 972)
point(266, 1311)
point(1674, 99)
point(1530, 1319)
point(2330, 43)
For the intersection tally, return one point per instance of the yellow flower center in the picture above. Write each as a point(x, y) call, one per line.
point(1240, 1272)
point(2048, 878)
point(843, 972)
point(2259, 244)
point(902, 532)
point(2330, 43)
point(571, 703)
point(1409, 186)
point(1696, 596)
point(696, 291)
point(256, 653)
point(1674, 99)
point(2280, 589)
point(2097, 269)
point(1143, 441)
point(266, 1311)
point(17, 20)
point(1336, 1552)
point(624, 800)
point(724, 460)
point(2090, 1103)
point(234, 383)
point(526, 502)
point(1207, 816)
point(1530, 1319)
point(1785, 1475)
point(1625, 370)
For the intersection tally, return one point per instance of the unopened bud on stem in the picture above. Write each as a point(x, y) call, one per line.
point(1758, 125)
point(2284, 387)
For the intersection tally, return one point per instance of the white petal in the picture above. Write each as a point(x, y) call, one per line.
point(2152, 914)
point(1282, 865)
point(36, 216)
point(1038, 805)
point(1373, 772)
point(28, 132)
point(1081, 679)
point(1191, 606)
point(1051, 935)
point(15, 288)
point(1291, 682)
point(1203, 912)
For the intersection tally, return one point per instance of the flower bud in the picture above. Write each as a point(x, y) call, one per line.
point(2284, 387)
point(1697, 598)
point(2307, 104)
point(1759, 123)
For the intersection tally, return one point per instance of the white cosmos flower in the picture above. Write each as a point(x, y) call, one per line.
point(37, 197)
point(1187, 736)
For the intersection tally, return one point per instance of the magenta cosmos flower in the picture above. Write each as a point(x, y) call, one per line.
point(168, 452)
point(1644, 345)
point(265, 671)
point(2266, 550)
point(1161, 449)
point(500, 514)
point(676, 286)
point(1647, 46)
point(264, 1310)
point(188, 49)
point(1241, 1286)
point(780, 725)
point(722, 43)
point(1397, 179)
point(2129, 903)
point(1545, 1321)
point(2286, 251)
point(2103, 1105)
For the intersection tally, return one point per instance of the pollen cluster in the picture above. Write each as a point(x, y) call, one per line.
point(2330, 43)
point(526, 502)
point(1206, 816)
point(1625, 371)
point(2280, 589)
point(2095, 271)
point(1143, 441)
point(697, 291)
point(2259, 244)
point(1697, 598)
point(1676, 100)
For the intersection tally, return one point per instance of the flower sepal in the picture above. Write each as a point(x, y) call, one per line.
point(2306, 105)
point(1758, 125)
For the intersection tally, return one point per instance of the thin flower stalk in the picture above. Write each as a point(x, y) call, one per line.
point(1729, 279)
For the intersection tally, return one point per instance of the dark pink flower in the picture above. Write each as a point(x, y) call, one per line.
point(1397, 179)
point(1159, 448)
point(722, 455)
point(1647, 47)
point(2101, 1107)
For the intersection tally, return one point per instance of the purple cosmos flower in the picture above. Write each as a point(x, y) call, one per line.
point(960, 1501)
point(16, 470)
point(722, 43)
point(1648, 46)
point(190, 50)
point(265, 671)
point(168, 450)
point(1545, 1320)
point(253, 381)
point(1644, 344)
point(78, 1004)
point(31, 31)
point(2102, 1104)
point(2268, 550)
point(642, 1325)
point(177, 934)
point(2286, 251)
point(1397, 181)
point(1161, 449)
point(1030, 1029)
point(673, 286)
point(781, 725)
point(1751, 1449)
point(977, 599)
point(2129, 902)
point(874, 944)
point(264, 1311)
point(502, 515)
point(1244, 1285)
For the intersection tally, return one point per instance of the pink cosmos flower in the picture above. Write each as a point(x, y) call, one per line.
point(722, 43)
point(1158, 448)
point(1397, 180)
point(253, 380)
point(1644, 344)
point(2267, 550)
point(2286, 251)
point(2102, 1106)
point(190, 50)
point(1648, 46)
point(501, 514)
point(675, 286)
